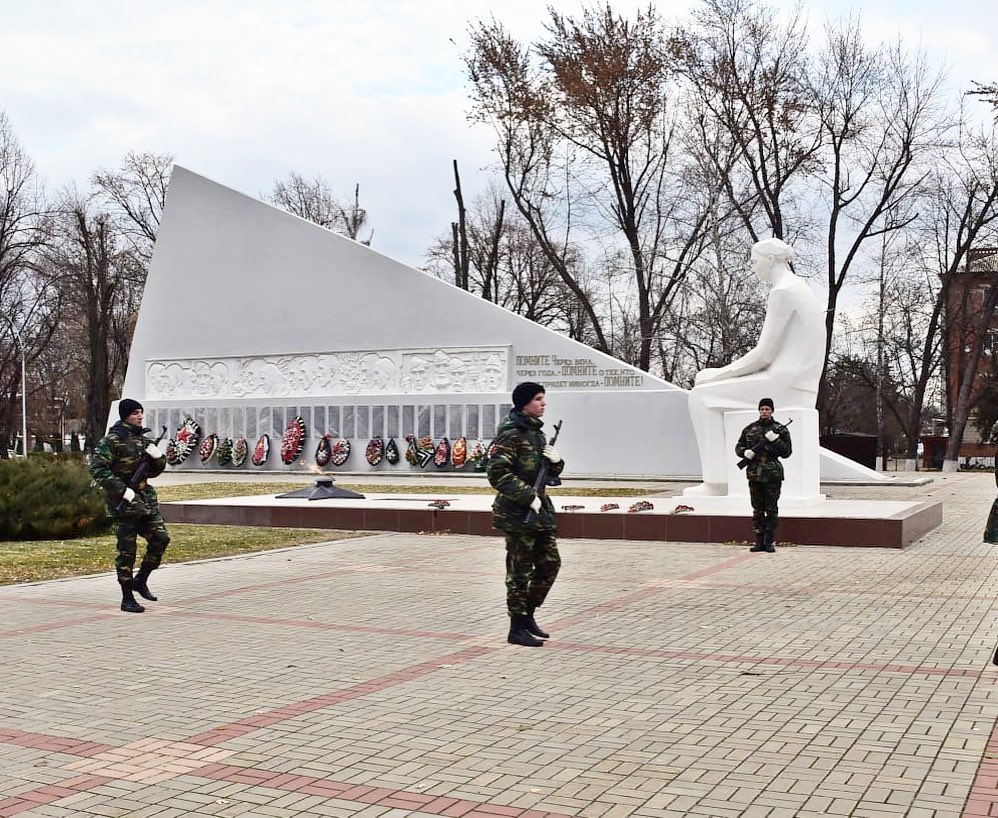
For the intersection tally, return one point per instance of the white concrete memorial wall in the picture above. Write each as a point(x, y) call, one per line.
point(252, 316)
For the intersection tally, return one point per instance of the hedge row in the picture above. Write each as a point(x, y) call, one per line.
point(49, 497)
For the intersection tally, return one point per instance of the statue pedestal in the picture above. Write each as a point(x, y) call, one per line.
point(801, 484)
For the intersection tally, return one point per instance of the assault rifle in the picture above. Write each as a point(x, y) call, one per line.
point(542, 473)
point(139, 475)
point(759, 448)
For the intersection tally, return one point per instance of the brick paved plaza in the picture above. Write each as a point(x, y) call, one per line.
point(370, 677)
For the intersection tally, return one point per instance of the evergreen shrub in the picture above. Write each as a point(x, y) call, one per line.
point(49, 497)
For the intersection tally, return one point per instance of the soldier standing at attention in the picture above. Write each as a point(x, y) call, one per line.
point(532, 559)
point(135, 509)
point(763, 443)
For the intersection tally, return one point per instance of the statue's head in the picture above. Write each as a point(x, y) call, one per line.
point(769, 253)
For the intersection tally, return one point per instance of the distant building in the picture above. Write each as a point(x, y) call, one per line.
point(965, 319)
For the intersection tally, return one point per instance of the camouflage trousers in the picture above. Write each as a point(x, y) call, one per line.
point(532, 563)
point(991, 529)
point(765, 514)
point(153, 530)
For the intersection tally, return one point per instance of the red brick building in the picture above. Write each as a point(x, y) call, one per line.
point(965, 318)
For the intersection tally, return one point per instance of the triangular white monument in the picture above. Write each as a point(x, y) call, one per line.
point(252, 316)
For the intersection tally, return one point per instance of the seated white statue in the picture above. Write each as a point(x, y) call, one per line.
point(785, 364)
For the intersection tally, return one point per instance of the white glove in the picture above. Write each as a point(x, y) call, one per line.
point(771, 436)
point(749, 454)
point(153, 451)
point(551, 453)
point(535, 505)
point(129, 495)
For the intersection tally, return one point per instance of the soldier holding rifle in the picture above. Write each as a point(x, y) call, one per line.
point(521, 464)
point(762, 444)
point(122, 463)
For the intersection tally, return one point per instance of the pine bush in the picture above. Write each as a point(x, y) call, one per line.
point(49, 497)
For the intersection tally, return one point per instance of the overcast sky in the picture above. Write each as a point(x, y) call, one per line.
point(366, 91)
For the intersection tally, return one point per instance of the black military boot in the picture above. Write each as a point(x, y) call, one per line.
point(532, 627)
point(128, 602)
point(139, 584)
point(768, 546)
point(519, 635)
point(760, 542)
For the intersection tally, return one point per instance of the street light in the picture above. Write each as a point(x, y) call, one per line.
point(24, 389)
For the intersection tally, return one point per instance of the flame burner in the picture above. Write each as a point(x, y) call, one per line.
point(322, 490)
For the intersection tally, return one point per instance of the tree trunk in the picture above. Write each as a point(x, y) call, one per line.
point(461, 262)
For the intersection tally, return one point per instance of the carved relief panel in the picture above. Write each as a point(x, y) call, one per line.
point(417, 372)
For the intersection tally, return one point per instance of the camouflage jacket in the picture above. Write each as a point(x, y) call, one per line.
point(114, 461)
point(512, 470)
point(765, 467)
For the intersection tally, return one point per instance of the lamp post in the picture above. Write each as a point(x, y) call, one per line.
point(24, 390)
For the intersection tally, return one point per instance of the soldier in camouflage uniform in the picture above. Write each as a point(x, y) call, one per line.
point(763, 443)
point(991, 527)
point(112, 465)
point(532, 559)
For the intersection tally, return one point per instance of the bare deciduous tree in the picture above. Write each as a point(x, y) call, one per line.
point(505, 264)
point(988, 92)
point(314, 200)
point(137, 193)
point(25, 303)
point(752, 75)
point(879, 115)
point(585, 140)
point(100, 281)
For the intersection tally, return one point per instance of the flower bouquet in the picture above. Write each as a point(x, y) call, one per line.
point(341, 451)
point(293, 441)
point(476, 455)
point(240, 451)
point(223, 454)
point(375, 450)
point(207, 447)
point(392, 452)
point(184, 442)
point(441, 455)
point(324, 451)
point(261, 451)
point(459, 455)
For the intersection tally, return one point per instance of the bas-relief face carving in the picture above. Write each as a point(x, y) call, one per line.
point(384, 373)
point(441, 370)
point(157, 380)
point(494, 373)
point(418, 373)
point(459, 374)
point(209, 379)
